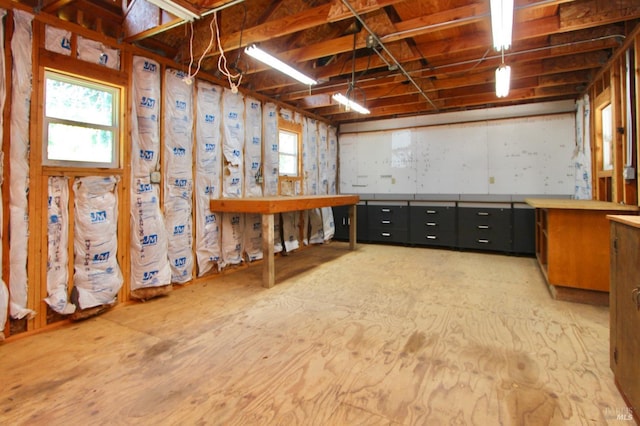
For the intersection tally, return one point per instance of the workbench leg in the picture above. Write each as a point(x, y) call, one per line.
point(353, 227)
point(268, 266)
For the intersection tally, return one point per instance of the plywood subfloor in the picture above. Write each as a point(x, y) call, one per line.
point(382, 335)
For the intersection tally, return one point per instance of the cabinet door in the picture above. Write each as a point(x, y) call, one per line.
point(524, 235)
point(341, 221)
point(625, 315)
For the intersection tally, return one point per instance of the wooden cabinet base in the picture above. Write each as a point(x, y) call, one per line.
point(572, 247)
point(578, 295)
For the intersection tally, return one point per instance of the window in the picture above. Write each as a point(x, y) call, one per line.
point(289, 158)
point(80, 123)
point(288, 153)
point(607, 138)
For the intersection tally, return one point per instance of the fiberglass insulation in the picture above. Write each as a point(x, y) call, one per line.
point(97, 278)
point(149, 242)
point(208, 171)
point(178, 173)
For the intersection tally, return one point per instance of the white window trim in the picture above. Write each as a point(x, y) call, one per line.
point(115, 128)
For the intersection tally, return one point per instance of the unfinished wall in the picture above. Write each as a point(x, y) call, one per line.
point(185, 142)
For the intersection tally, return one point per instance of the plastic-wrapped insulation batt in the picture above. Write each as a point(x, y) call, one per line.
point(4, 293)
point(232, 148)
point(271, 163)
point(97, 277)
point(21, 48)
point(328, 153)
point(57, 247)
point(178, 173)
point(253, 176)
point(149, 242)
point(310, 155)
point(208, 176)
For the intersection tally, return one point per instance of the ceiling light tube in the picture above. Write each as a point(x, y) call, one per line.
point(502, 23)
point(342, 99)
point(277, 64)
point(503, 77)
point(175, 9)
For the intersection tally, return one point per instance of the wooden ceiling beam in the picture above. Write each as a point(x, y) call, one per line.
point(524, 31)
point(310, 18)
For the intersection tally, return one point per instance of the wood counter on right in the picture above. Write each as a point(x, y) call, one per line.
point(624, 308)
point(572, 246)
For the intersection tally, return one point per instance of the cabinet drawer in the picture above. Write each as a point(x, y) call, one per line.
point(433, 237)
point(425, 218)
point(483, 218)
point(432, 225)
point(388, 235)
point(394, 215)
point(497, 239)
point(485, 228)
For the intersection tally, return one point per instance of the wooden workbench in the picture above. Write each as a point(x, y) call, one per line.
point(572, 246)
point(269, 206)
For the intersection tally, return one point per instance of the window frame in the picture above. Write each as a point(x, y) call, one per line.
point(114, 128)
point(288, 183)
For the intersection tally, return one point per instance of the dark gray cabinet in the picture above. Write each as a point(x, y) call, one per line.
point(342, 222)
point(507, 227)
point(485, 227)
point(524, 225)
point(432, 224)
point(388, 221)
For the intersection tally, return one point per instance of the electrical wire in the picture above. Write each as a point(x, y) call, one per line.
point(189, 78)
point(233, 79)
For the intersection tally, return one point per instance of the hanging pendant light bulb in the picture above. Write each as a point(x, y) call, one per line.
point(503, 77)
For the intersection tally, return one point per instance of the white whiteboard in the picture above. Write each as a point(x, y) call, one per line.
point(531, 155)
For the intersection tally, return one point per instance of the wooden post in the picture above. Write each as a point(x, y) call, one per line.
point(353, 227)
point(268, 267)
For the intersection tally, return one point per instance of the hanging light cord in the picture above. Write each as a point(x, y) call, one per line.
point(233, 79)
point(189, 75)
point(352, 85)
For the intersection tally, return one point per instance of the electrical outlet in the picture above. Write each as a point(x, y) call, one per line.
point(155, 177)
point(629, 173)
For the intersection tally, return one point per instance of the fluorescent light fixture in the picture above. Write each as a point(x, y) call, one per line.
point(342, 99)
point(176, 9)
point(502, 23)
point(259, 54)
point(503, 77)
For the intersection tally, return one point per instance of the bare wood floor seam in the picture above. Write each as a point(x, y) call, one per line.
point(382, 335)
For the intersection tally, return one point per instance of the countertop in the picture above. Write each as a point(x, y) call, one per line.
point(556, 203)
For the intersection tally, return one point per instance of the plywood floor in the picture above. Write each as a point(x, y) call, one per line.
point(380, 336)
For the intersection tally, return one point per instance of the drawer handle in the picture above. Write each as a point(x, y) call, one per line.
point(483, 226)
point(386, 222)
point(431, 224)
point(431, 212)
point(635, 297)
point(344, 221)
point(483, 213)
point(385, 210)
point(385, 234)
point(431, 237)
point(483, 241)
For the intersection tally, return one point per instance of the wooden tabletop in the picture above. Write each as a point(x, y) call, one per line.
point(270, 205)
point(568, 204)
point(626, 219)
